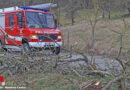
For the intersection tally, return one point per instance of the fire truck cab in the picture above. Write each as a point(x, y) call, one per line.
point(30, 27)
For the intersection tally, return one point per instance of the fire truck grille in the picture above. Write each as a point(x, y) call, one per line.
point(47, 37)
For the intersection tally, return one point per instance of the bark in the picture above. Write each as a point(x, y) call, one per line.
point(109, 14)
point(101, 73)
point(128, 10)
point(93, 36)
point(103, 14)
point(72, 18)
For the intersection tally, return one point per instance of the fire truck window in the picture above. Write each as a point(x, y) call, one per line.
point(49, 19)
point(40, 20)
point(33, 20)
point(11, 19)
point(20, 18)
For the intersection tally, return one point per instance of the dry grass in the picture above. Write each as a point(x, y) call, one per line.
point(107, 42)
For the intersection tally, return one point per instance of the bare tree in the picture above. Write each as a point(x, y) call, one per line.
point(106, 6)
point(71, 9)
point(127, 5)
point(93, 20)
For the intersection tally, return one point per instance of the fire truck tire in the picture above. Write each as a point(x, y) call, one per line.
point(56, 50)
point(26, 48)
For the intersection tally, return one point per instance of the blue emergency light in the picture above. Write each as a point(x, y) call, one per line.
point(26, 8)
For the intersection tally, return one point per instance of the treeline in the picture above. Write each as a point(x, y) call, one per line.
point(112, 4)
point(72, 6)
point(103, 4)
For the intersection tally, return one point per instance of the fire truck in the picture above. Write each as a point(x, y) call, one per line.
point(30, 27)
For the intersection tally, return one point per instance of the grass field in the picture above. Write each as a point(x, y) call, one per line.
point(107, 41)
point(56, 81)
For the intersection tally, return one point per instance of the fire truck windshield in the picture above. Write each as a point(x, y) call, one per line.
point(40, 20)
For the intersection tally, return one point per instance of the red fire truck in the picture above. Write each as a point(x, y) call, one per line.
point(29, 27)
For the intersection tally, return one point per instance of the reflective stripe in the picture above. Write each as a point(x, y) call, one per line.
point(6, 41)
point(11, 37)
point(16, 38)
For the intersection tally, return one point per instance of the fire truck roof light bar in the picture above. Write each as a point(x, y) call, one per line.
point(26, 8)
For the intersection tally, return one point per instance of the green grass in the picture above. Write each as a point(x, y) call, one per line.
point(86, 14)
point(2, 58)
point(56, 81)
point(42, 84)
point(51, 83)
point(114, 86)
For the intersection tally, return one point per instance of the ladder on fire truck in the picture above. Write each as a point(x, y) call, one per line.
point(41, 7)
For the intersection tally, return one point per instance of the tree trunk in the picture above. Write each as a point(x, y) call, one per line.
point(93, 37)
point(119, 85)
point(103, 14)
point(30, 2)
point(58, 13)
point(72, 18)
point(109, 11)
point(109, 14)
point(128, 10)
point(24, 2)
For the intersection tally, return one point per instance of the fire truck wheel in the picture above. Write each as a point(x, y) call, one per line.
point(26, 48)
point(2, 47)
point(56, 50)
point(0, 44)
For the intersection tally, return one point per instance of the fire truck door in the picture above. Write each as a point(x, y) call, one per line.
point(20, 27)
point(10, 29)
point(20, 23)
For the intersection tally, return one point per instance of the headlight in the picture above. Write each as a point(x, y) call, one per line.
point(59, 37)
point(33, 37)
